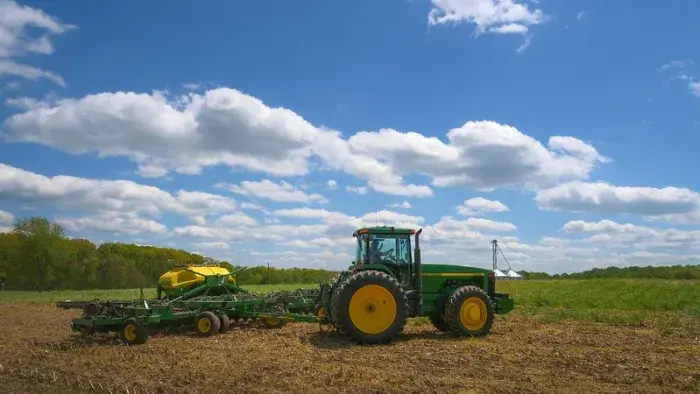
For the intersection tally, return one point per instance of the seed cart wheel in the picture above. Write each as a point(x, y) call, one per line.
point(133, 332)
point(369, 307)
point(225, 323)
point(273, 322)
point(469, 312)
point(207, 324)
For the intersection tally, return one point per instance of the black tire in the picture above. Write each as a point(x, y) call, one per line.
point(133, 332)
point(439, 322)
point(483, 316)
point(392, 294)
point(225, 323)
point(207, 324)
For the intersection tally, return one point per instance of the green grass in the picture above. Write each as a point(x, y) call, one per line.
point(610, 301)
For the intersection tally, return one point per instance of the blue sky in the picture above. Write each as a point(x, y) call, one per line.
point(563, 129)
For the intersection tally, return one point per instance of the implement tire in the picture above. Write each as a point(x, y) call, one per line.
point(225, 323)
point(133, 332)
point(207, 324)
point(469, 312)
point(369, 307)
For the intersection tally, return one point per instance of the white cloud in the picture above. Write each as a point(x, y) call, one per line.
point(489, 16)
point(332, 185)
point(12, 68)
point(695, 88)
point(385, 216)
point(237, 219)
point(362, 190)
point(213, 245)
point(483, 155)
point(668, 203)
point(191, 86)
point(187, 133)
point(480, 205)
point(681, 74)
point(404, 205)
point(224, 127)
point(281, 192)
point(324, 236)
point(15, 40)
point(582, 15)
point(115, 224)
point(6, 218)
point(85, 195)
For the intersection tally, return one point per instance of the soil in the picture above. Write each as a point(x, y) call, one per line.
point(39, 353)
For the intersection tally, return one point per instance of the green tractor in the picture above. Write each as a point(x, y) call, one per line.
point(370, 302)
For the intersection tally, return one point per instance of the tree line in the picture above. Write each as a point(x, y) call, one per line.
point(37, 255)
point(673, 272)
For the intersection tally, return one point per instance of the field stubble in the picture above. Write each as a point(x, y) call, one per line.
point(541, 348)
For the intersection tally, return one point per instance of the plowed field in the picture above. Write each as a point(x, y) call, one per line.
point(38, 353)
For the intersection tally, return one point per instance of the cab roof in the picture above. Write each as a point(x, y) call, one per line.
point(383, 230)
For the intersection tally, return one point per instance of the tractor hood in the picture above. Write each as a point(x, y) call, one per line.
point(450, 268)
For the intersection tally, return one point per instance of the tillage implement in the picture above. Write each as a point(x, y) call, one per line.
point(369, 303)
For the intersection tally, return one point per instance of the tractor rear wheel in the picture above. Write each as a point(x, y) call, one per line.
point(369, 307)
point(207, 324)
point(469, 312)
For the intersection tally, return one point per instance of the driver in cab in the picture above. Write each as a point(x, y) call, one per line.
point(376, 254)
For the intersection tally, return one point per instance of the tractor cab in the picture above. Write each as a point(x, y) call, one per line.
point(387, 249)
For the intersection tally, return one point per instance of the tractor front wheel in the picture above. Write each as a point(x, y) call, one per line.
point(207, 324)
point(469, 312)
point(369, 307)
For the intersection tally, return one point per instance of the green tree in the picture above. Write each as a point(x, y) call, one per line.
point(42, 257)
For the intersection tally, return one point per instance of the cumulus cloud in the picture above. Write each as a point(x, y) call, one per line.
point(483, 155)
point(188, 133)
point(85, 195)
point(480, 205)
point(224, 126)
point(6, 221)
point(489, 16)
point(668, 203)
point(680, 72)
point(331, 184)
point(361, 190)
point(15, 41)
point(404, 205)
point(281, 192)
point(115, 224)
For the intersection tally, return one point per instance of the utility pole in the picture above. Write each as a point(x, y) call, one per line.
point(268, 272)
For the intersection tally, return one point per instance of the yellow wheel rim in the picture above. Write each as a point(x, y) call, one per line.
point(322, 312)
point(473, 313)
point(273, 321)
point(130, 332)
point(372, 309)
point(204, 325)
